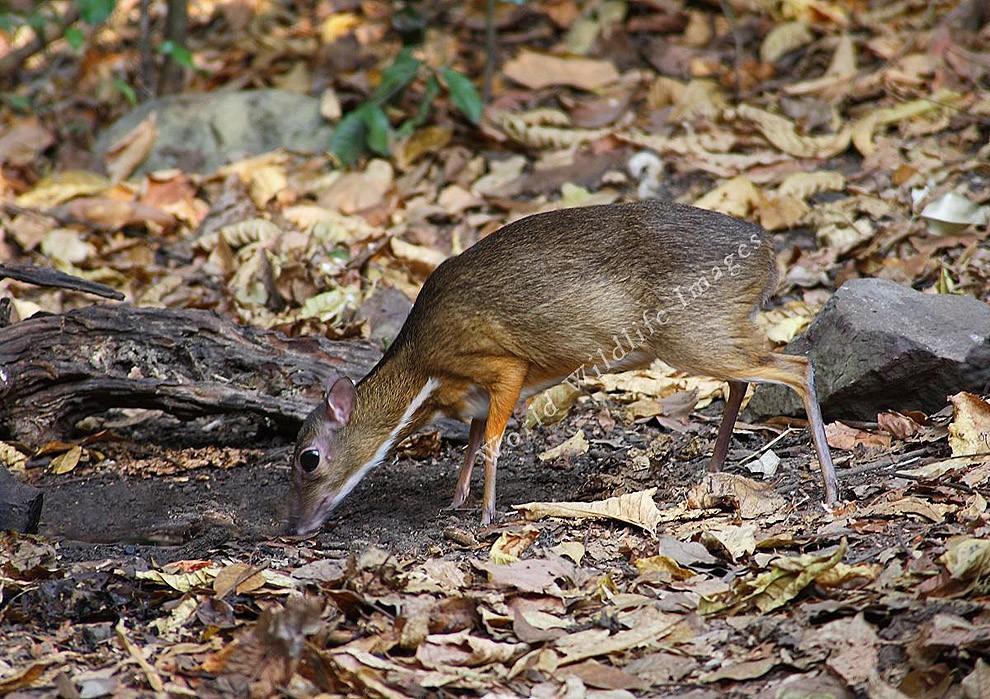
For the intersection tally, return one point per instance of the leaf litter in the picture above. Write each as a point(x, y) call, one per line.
point(853, 134)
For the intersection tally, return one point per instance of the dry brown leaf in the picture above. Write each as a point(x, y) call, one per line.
point(429, 139)
point(637, 509)
point(123, 157)
point(898, 425)
point(862, 131)
point(552, 405)
point(541, 136)
point(538, 70)
point(783, 38)
point(806, 184)
point(781, 211)
point(750, 498)
point(736, 197)
point(113, 214)
point(241, 577)
point(737, 540)
point(842, 436)
point(647, 626)
point(510, 545)
point(910, 505)
point(782, 133)
point(12, 458)
point(420, 257)
point(265, 182)
point(357, 191)
point(575, 445)
point(969, 432)
point(22, 143)
point(531, 575)
point(665, 565)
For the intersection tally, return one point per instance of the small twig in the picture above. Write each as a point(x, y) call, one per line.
point(13, 61)
point(154, 679)
point(491, 50)
point(730, 15)
point(769, 444)
point(41, 276)
point(148, 87)
point(889, 460)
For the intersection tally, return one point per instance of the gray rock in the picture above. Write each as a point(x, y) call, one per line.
point(880, 346)
point(202, 132)
point(20, 505)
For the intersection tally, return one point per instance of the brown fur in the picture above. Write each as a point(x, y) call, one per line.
point(541, 298)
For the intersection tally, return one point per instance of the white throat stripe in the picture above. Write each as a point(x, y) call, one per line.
point(425, 392)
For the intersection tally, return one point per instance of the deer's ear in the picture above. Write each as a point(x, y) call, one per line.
point(338, 401)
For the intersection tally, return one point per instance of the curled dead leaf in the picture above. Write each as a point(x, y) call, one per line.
point(637, 509)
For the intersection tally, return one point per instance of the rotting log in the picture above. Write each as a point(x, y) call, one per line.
point(58, 369)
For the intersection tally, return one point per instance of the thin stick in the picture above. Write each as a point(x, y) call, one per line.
point(41, 276)
point(730, 14)
point(491, 49)
point(13, 61)
point(767, 446)
point(148, 87)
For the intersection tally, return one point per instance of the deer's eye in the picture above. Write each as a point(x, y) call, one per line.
point(309, 460)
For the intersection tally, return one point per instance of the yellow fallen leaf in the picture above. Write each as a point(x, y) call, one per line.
point(637, 509)
point(63, 463)
point(510, 545)
point(783, 38)
point(265, 182)
point(665, 565)
point(12, 458)
point(768, 591)
point(62, 186)
point(183, 581)
point(863, 129)
point(552, 405)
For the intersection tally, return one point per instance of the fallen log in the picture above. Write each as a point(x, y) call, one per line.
point(58, 369)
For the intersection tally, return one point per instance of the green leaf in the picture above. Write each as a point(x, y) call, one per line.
point(95, 11)
point(423, 111)
point(19, 103)
point(396, 77)
point(124, 88)
point(9, 21)
point(463, 94)
point(379, 130)
point(348, 139)
point(75, 38)
point(179, 54)
point(37, 22)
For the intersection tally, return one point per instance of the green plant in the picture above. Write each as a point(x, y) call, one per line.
point(367, 127)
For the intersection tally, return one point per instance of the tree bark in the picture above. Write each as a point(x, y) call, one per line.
point(58, 369)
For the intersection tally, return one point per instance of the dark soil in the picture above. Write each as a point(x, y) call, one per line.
point(132, 505)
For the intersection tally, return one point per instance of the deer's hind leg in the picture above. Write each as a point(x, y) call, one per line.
point(798, 374)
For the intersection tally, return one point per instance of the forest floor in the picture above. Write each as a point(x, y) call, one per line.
point(857, 135)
